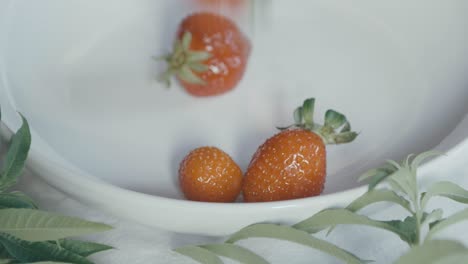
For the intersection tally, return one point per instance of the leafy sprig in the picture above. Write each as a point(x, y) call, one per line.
point(394, 183)
point(28, 235)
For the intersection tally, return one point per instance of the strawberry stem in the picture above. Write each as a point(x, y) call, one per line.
point(330, 130)
point(184, 63)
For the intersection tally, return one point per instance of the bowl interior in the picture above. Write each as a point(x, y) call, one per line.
point(83, 74)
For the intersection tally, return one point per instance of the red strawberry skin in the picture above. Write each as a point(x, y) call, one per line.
point(289, 165)
point(209, 174)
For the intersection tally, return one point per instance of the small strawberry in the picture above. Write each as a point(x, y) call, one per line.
point(210, 55)
point(292, 164)
point(208, 174)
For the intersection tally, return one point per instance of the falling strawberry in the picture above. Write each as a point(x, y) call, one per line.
point(292, 164)
point(210, 55)
point(208, 174)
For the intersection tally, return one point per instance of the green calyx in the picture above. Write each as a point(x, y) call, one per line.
point(184, 63)
point(335, 130)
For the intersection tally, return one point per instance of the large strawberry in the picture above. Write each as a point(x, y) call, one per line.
point(292, 164)
point(210, 55)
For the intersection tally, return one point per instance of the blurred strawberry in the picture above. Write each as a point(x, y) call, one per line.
point(210, 55)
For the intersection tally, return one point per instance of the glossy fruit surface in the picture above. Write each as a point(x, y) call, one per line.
point(292, 164)
point(289, 165)
point(209, 174)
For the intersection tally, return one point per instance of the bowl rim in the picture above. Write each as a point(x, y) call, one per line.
point(36, 157)
point(74, 181)
point(231, 216)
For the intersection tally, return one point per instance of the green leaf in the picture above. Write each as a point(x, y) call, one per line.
point(49, 262)
point(370, 174)
point(377, 178)
point(407, 227)
point(396, 187)
point(407, 160)
point(451, 220)
point(82, 248)
point(375, 196)
point(431, 251)
point(344, 137)
point(26, 251)
point(445, 189)
point(198, 56)
point(16, 156)
point(332, 217)
point(298, 115)
point(434, 216)
point(6, 261)
point(34, 225)
point(394, 164)
point(400, 178)
point(236, 253)
point(421, 157)
point(198, 67)
point(346, 128)
point(16, 200)
point(4, 253)
point(186, 40)
point(456, 258)
point(199, 254)
point(308, 112)
point(334, 119)
point(165, 77)
point(377, 175)
point(406, 181)
point(435, 223)
point(293, 235)
point(165, 57)
point(187, 75)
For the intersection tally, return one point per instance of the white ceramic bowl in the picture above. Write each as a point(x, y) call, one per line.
point(105, 133)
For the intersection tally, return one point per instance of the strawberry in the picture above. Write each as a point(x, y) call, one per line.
point(208, 174)
point(210, 55)
point(292, 163)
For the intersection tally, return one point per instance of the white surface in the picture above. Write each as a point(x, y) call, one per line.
point(91, 80)
point(85, 84)
point(138, 244)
